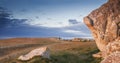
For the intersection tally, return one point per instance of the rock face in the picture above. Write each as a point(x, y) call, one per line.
point(113, 58)
point(104, 24)
point(42, 52)
point(112, 53)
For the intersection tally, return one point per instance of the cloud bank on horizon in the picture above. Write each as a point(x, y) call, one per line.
point(45, 18)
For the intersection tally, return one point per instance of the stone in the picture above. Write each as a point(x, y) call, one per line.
point(104, 24)
point(98, 55)
point(113, 58)
point(42, 52)
point(111, 48)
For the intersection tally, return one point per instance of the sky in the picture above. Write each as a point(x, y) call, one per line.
point(47, 18)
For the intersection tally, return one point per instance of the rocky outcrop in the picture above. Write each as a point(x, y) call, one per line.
point(41, 52)
point(112, 53)
point(113, 58)
point(104, 24)
point(111, 48)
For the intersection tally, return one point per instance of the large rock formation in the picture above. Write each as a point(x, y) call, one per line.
point(104, 24)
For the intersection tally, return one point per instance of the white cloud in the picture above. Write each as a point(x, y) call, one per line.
point(50, 24)
point(54, 25)
point(76, 32)
point(71, 31)
point(76, 28)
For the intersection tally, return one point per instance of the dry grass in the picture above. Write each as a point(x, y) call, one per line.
point(61, 52)
point(69, 45)
point(11, 48)
point(69, 52)
point(21, 41)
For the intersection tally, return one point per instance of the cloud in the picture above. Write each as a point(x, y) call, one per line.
point(37, 17)
point(49, 18)
point(78, 29)
point(73, 21)
point(73, 32)
point(4, 17)
point(21, 28)
point(6, 21)
point(18, 22)
point(76, 33)
point(81, 16)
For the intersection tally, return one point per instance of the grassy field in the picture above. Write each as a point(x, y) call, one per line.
point(63, 52)
point(12, 48)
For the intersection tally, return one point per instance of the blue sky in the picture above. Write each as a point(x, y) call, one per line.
point(51, 15)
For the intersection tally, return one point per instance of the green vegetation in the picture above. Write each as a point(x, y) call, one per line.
point(73, 55)
point(77, 55)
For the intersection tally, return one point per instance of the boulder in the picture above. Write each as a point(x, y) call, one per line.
point(111, 48)
point(104, 24)
point(42, 52)
point(112, 58)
